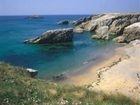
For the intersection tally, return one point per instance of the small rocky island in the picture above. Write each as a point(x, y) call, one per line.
point(34, 17)
point(53, 36)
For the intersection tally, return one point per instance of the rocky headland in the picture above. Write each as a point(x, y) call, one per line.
point(110, 26)
point(75, 22)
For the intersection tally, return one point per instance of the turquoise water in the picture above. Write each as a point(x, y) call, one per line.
point(49, 60)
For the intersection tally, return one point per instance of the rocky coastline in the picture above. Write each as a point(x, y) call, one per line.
point(119, 27)
point(119, 74)
point(124, 69)
point(110, 26)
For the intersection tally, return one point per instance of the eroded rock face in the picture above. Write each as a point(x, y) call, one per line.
point(130, 33)
point(53, 36)
point(115, 22)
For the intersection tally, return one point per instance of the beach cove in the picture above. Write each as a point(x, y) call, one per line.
point(50, 60)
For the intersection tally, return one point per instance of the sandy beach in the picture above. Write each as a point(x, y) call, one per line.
point(90, 76)
point(118, 74)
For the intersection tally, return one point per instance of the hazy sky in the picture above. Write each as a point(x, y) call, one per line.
point(26, 7)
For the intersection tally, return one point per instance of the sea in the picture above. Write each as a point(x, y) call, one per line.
point(50, 60)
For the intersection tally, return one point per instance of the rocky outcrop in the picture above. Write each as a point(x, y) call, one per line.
point(63, 22)
point(130, 33)
point(102, 32)
point(107, 25)
point(53, 36)
point(78, 22)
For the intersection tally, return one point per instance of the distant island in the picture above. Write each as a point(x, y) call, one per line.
point(35, 17)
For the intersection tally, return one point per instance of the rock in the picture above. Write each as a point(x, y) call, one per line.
point(139, 18)
point(102, 33)
point(58, 78)
point(135, 42)
point(120, 39)
point(116, 23)
point(78, 30)
point(132, 32)
point(95, 37)
point(53, 36)
point(133, 20)
point(63, 22)
point(78, 22)
point(33, 73)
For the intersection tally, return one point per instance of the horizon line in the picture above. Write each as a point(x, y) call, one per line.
point(44, 14)
point(62, 14)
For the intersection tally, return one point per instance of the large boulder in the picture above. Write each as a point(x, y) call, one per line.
point(102, 33)
point(130, 33)
point(53, 36)
point(116, 23)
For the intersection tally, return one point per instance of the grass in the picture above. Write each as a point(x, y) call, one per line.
point(18, 88)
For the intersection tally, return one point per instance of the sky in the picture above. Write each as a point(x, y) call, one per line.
point(52, 7)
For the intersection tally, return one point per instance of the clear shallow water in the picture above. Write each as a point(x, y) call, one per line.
point(49, 60)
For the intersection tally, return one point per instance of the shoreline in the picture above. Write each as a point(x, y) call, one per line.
point(122, 76)
point(118, 74)
point(89, 74)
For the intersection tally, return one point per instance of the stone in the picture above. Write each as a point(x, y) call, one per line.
point(59, 77)
point(63, 22)
point(133, 20)
point(116, 23)
point(80, 21)
point(139, 18)
point(53, 36)
point(135, 42)
point(33, 73)
point(102, 32)
point(120, 39)
point(132, 32)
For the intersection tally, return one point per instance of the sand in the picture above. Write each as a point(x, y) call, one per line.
point(90, 75)
point(118, 74)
